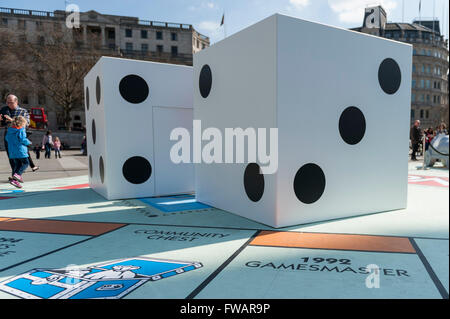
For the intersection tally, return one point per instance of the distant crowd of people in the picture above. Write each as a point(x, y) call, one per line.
point(16, 120)
point(418, 137)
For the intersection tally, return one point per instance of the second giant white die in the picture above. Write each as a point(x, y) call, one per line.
point(131, 108)
point(340, 100)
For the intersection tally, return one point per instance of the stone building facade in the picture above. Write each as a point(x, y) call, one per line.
point(429, 87)
point(122, 36)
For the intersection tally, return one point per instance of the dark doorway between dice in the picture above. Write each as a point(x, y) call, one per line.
point(253, 182)
point(87, 98)
point(389, 76)
point(91, 173)
point(205, 81)
point(352, 125)
point(137, 170)
point(102, 169)
point(309, 183)
point(93, 132)
point(98, 90)
point(133, 89)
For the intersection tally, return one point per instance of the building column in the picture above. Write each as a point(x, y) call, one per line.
point(85, 35)
point(103, 36)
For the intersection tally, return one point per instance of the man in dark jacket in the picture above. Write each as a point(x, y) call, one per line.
point(7, 113)
point(415, 135)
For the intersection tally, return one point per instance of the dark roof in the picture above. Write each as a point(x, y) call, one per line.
point(393, 26)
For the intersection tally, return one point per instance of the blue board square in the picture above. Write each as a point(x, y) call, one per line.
point(43, 291)
point(174, 203)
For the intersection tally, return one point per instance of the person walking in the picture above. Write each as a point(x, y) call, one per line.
point(415, 136)
point(57, 147)
point(47, 143)
point(429, 134)
point(16, 137)
point(37, 151)
point(7, 113)
point(442, 129)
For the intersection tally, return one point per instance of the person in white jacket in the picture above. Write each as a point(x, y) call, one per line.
point(47, 143)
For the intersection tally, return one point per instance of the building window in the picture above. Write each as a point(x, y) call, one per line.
point(414, 52)
point(111, 34)
point(413, 97)
point(129, 46)
point(22, 24)
point(428, 69)
point(39, 26)
point(427, 114)
point(159, 35)
point(174, 50)
point(144, 47)
point(57, 27)
point(428, 98)
point(174, 36)
point(428, 84)
point(159, 48)
point(421, 114)
point(4, 22)
point(112, 46)
point(413, 83)
point(422, 83)
point(41, 98)
point(203, 46)
point(422, 98)
point(128, 33)
point(413, 114)
point(41, 40)
point(423, 68)
point(414, 68)
point(144, 34)
point(25, 99)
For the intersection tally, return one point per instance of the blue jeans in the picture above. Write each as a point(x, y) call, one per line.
point(48, 150)
point(20, 165)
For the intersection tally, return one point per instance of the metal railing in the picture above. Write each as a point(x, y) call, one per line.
point(27, 12)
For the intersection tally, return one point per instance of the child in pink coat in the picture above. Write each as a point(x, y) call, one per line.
point(57, 147)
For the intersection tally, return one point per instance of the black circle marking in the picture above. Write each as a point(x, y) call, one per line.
point(309, 183)
point(352, 125)
point(98, 90)
point(137, 170)
point(91, 173)
point(133, 89)
point(87, 98)
point(102, 169)
point(253, 182)
point(389, 76)
point(94, 132)
point(205, 81)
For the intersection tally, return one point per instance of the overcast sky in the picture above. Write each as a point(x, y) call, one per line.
point(205, 15)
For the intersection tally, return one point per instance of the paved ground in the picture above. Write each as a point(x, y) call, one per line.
point(60, 239)
point(72, 163)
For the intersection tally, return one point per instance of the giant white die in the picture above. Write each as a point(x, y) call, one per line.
point(131, 108)
point(340, 100)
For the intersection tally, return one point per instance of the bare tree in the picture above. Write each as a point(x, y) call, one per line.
point(55, 65)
